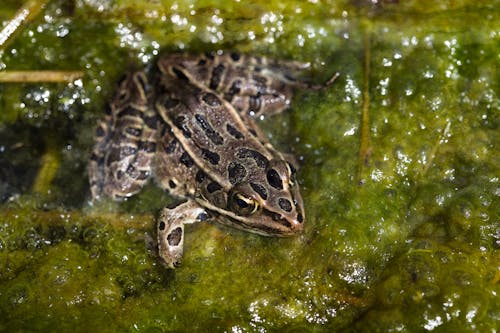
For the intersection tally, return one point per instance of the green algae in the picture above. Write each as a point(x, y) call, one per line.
point(410, 243)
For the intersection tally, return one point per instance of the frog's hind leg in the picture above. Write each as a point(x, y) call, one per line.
point(126, 142)
point(171, 230)
point(262, 86)
point(95, 167)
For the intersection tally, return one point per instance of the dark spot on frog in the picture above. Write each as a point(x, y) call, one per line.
point(203, 216)
point(208, 129)
point(130, 111)
point(147, 146)
point(236, 172)
point(235, 88)
point(211, 99)
point(235, 56)
point(252, 131)
point(113, 156)
point(213, 187)
point(134, 173)
point(180, 123)
point(123, 80)
point(161, 226)
point(202, 62)
point(210, 156)
point(99, 159)
point(200, 176)
point(151, 122)
point(285, 204)
point(259, 159)
point(164, 131)
point(300, 218)
point(274, 179)
point(186, 160)
point(131, 171)
point(234, 132)
point(180, 75)
point(100, 132)
point(136, 132)
point(174, 237)
point(108, 110)
point(170, 148)
point(216, 76)
point(261, 190)
point(172, 184)
point(123, 95)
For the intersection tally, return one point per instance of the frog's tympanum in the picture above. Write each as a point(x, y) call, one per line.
point(192, 129)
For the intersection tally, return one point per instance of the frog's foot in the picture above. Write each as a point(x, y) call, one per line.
point(171, 230)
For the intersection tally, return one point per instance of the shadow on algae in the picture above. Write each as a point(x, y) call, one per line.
point(398, 170)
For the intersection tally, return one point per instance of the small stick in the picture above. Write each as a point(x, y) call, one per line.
point(39, 76)
point(25, 14)
point(434, 151)
point(364, 146)
point(328, 83)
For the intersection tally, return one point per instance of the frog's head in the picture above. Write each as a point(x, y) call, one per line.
point(269, 204)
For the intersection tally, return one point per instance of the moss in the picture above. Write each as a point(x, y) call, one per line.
point(401, 237)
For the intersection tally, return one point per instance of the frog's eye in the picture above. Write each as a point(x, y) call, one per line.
point(243, 205)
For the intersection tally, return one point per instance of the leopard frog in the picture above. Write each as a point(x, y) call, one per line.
point(191, 127)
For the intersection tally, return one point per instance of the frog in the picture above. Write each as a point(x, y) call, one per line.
point(192, 128)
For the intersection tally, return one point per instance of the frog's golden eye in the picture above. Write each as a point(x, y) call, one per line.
point(243, 205)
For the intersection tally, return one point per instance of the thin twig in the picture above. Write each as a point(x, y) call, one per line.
point(25, 14)
point(440, 141)
point(40, 76)
point(364, 146)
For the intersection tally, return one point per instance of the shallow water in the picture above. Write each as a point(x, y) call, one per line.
point(399, 173)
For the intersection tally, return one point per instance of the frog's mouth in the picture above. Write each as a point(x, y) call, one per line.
point(265, 223)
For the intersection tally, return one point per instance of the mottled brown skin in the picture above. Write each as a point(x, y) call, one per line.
point(192, 130)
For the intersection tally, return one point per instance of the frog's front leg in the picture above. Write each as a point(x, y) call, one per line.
point(171, 229)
